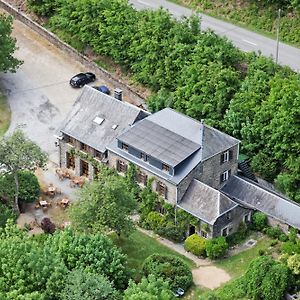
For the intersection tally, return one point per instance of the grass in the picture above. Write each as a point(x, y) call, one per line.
point(5, 115)
point(139, 246)
point(237, 265)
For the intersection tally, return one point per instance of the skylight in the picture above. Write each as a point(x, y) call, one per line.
point(114, 127)
point(98, 120)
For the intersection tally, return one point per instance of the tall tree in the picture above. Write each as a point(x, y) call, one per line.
point(8, 45)
point(18, 153)
point(103, 205)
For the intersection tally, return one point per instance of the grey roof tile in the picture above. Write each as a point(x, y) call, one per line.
point(205, 202)
point(91, 104)
point(257, 197)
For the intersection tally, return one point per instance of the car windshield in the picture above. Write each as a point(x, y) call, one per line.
point(78, 76)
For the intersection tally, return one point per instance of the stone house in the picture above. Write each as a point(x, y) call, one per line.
point(194, 166)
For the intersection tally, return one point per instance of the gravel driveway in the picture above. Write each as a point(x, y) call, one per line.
point(39, 93)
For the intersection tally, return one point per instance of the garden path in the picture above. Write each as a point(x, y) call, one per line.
point(206, 274)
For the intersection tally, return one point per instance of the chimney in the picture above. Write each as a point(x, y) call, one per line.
point(118, 94)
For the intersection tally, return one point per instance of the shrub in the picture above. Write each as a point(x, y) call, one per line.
point(5, 214)
point(291, 248)
point(216, 248)
point(175, 233)
point(238, 236)
point(153, 221)
point(195, 244)
point(266, 279)
point(47, 225)
point(273, 243)
point(260, 221)
point(274, 232)
point(29, 188)
point(283, 237)
point(170, 268)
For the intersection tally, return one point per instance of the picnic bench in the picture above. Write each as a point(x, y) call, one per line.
point(63, 173)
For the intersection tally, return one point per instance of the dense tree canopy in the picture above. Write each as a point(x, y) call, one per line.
point(103, 205)
point(18, 153)
point(267, 279)
point(28, 271)
point(86, 286)
point(198, 73)
point(95, 253)
point(8, 45)
point(150, 288)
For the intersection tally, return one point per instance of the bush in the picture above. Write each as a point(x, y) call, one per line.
point(216, 248)
point(291, 248)
point(153, 221)
point(195, 244)
point(238, 236)
point(274, 232)
point(273, 243)
point(47, 225)
point(266, 279)
point(5, 214)
point(170, 231)
point(283, 237)
point(260, 221)
point(170, 268)
point(29, 188)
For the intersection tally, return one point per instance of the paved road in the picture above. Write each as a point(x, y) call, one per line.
point(244, 39)
point(39, 93)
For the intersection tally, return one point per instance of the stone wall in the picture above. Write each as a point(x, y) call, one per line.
point(171, 198)
point(93, 67)
point(212, 168)
point(236, 217)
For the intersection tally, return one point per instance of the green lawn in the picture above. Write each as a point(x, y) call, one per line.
point(139, 246)
point(237, 265)
point(4, 115)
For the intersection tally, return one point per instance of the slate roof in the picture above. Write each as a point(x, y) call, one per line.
point(205, 202)
point(181, 142)
point(159, 142)
point(212, 140)
point(91, 104)
point(257, 197)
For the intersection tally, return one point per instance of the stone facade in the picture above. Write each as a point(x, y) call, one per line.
point(171, 188)
point(231, 221)
point(213, 168)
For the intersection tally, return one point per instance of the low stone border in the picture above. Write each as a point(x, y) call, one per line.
point(52, 38)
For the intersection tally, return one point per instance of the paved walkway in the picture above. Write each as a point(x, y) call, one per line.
point(205, 274)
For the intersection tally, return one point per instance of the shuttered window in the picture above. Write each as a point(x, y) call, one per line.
point(121, 166)
point(162, 189)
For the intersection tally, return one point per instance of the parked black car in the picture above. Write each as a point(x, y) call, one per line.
point(103, 89)
point(81, 79)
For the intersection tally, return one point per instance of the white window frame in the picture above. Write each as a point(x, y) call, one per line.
point(225, 175)
point(227, 231)
point(247, 218)
point(226, 156)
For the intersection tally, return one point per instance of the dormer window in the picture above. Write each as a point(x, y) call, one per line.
point(165, 168)
point(125, 147)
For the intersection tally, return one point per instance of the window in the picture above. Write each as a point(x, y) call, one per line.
point(98, 154)
point(144, 156)
point(142, 178)
point(228, 216)
point(84, 168)
point(71, 140)
point(225, 176)
point(121, 166)
point(125, 147)
point(224, 231)
point(247, 218)
point(161, 189)
point(226, 156)
point(203, 234)
point(83, 147)
point(165, 168)
point(70, 161)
